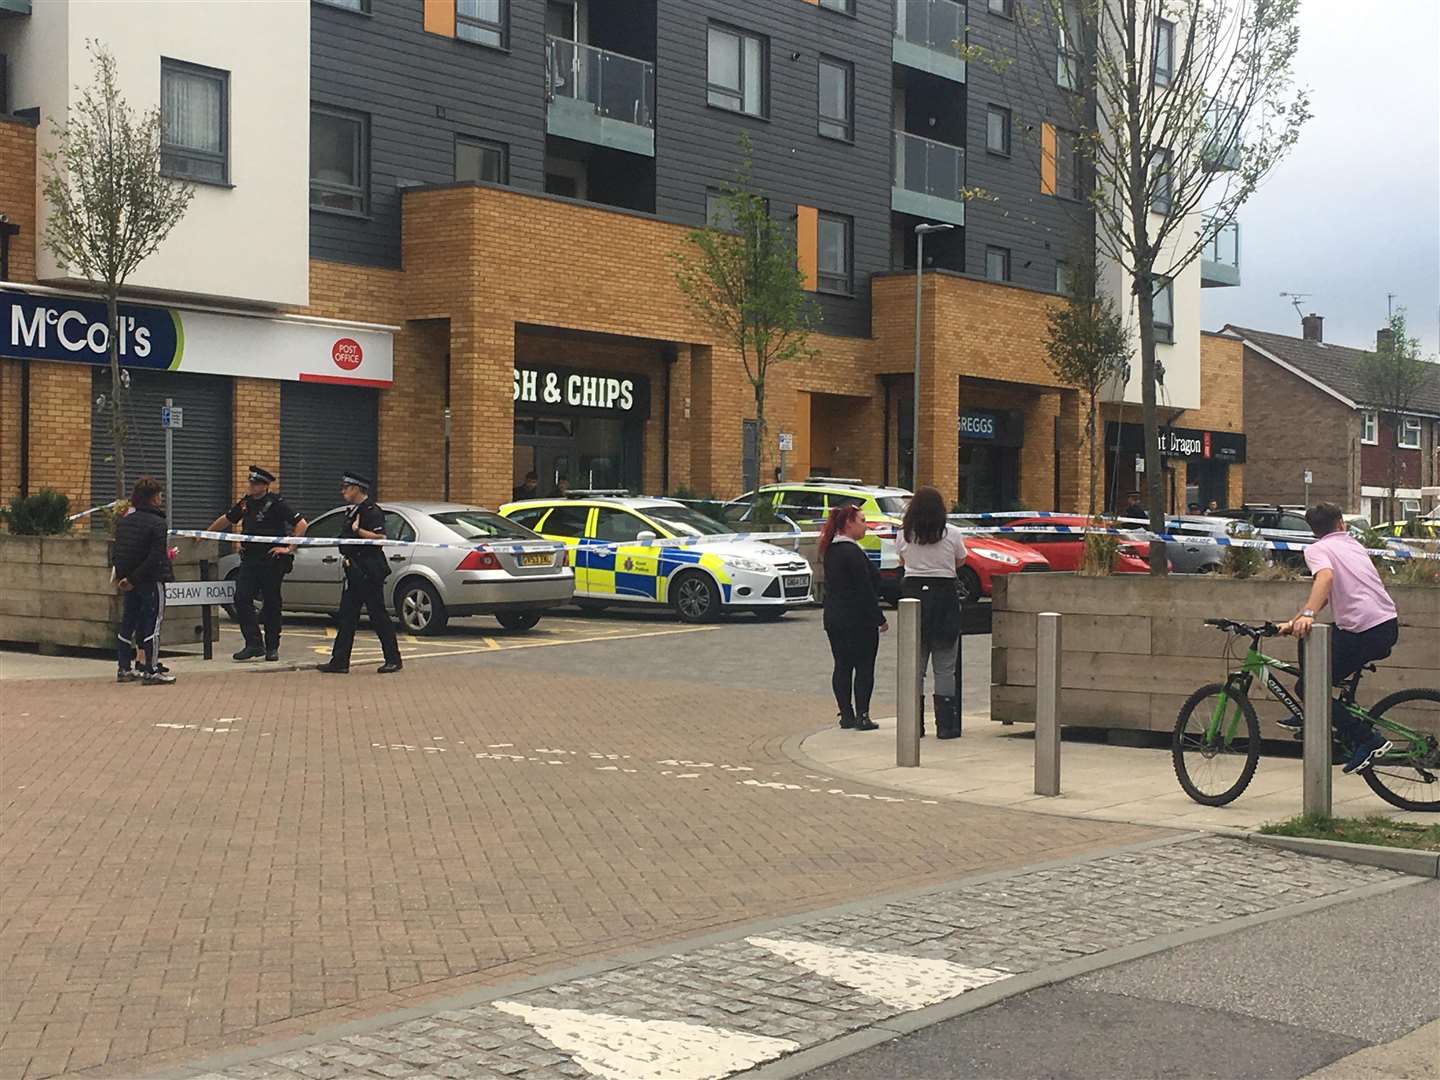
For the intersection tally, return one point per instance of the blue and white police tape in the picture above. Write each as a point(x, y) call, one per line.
point(96, 509)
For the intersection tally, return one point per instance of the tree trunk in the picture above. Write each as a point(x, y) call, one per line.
point(1090, 426)
point(117, 415)
point(760, 476)
point(1154, 481)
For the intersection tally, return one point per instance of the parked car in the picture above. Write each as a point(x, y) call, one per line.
point(517, 582)
point(1200, 557)
point(1268, 517)
point(1416, 528)
point(1066, 551)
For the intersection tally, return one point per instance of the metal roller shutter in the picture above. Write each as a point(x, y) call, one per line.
point(324, 430)
point(203, 481)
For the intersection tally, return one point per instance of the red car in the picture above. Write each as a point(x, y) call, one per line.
point(987, 556)
point(1066, 551)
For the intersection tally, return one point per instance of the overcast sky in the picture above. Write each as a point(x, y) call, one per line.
point(1354, 212)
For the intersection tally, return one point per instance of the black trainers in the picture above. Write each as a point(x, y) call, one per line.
point(158, 678)
point(127, 675)
point(250, 652)
point(864, 723)
point(1364, 755)
point(332, 668)
point(1291, 722)
point(389, 669)
point(273, 655)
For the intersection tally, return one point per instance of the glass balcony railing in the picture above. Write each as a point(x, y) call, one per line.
point(930, 168)
point(1221, 152)
point(938, 25)
point(618, 87)
point(1220, 258)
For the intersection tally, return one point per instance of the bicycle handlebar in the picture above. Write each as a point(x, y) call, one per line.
point(1268, 629)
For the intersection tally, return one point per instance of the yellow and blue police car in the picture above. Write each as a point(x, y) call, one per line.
point(632, 549)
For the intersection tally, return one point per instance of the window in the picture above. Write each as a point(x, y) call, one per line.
point(1369, 428)
point(329, 524)
point(348, 5)
point(529, 518)
point(1160, 196)
point(736, 79)
point(1062, 278)
point(483, 525)
point(1164, 64)
point(1408, 437)
point(485, 22)
point(1002, 7)
point(837, 106)
point(845, 7)
point(1164, 311)
point(619, 526)
point(567, 521)
point(1409, 507)
point(476, 159)
point(338, 146)
point(997, 129)
point(194, 118)
point(802, 505)
point(1069, 166)
point(397, 528)
point(997, 263)
point(1067, 61)
point(833, 258)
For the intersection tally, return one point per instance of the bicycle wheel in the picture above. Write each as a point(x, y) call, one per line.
point(1214, 771)
point(1409, 775)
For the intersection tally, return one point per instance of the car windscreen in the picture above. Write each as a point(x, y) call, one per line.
point(894, 505)
point(482, 525)
point(682, 521)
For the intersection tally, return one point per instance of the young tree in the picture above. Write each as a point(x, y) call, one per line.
point(740, 276)
point(1177, 108)
point(110, 205)
point(1087, 348)
point(1392, 379)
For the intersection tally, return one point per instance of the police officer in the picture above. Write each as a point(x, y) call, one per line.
point(262, 566)
point(366, 569)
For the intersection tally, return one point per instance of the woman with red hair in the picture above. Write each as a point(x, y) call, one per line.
point(853, 619)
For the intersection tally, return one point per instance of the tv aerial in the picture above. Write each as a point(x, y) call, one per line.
point(1297, 299)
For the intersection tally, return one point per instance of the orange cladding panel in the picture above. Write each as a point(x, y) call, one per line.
point(440, 17)
point(1047, 159)
point(807, 244)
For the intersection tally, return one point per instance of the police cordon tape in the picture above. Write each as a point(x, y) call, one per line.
point(96, 509)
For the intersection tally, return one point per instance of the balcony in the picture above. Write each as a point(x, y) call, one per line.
point(1222, 144)
point(928, 34)
point(601, 97)
point(929, 179)
point(1220, 259)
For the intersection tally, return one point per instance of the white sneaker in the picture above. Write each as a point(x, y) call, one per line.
point(158, 678)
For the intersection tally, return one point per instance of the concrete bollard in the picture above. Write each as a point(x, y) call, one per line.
point(1316, 798)
point(907, 684)
point(1047, 703)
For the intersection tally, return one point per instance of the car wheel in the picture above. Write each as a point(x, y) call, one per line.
point(968, 586)
point(419, 607)
point(233, 575)
point(517, 620)
point(695, 597)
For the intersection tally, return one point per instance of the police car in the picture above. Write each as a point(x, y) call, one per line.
point(621, 552)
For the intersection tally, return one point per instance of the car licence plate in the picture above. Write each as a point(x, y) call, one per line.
point(796, 581)
point(543, 558)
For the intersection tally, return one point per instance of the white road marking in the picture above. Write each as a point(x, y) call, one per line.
point(903, 982)
point(621, 1048)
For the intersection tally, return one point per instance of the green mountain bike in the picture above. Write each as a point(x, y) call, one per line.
point(1216, 744)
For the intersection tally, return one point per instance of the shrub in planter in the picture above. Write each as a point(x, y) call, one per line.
point(1422, 572)
point(46, 513)
point(1100, 551)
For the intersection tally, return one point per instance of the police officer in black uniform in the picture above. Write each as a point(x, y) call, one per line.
point(262, 566)
point(366, 569)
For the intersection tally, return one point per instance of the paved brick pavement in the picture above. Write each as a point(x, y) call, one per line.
point(246, 856)
point(722, 1008)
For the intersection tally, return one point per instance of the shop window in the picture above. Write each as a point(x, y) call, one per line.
point(1409, 433)
point(837, 104)
point(619, 526)
point(194, 121)
point(567, 521)
point(1369, 428)
point(736, 79)
point(833, 263)
point(485, 22)
point(479, 159)
point(339, 146)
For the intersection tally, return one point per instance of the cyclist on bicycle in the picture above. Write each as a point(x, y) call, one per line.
point(1366, 627)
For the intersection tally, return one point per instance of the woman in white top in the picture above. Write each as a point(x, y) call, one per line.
point(931, 550)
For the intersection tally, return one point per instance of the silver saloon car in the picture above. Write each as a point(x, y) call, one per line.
point(518, 581)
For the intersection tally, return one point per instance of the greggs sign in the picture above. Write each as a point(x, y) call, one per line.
point(73, 329)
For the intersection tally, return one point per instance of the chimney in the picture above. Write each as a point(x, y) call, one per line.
point(1384, 339)
point(1313, 327)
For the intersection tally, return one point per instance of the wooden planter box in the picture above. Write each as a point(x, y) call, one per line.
point(1135, 647)
point(55, 591)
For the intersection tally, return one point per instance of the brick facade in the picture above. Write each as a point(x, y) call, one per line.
point(1291, 426)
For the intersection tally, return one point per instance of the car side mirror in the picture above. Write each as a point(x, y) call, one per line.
point(645, 536)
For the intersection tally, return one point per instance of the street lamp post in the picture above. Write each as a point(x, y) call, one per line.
point(921, 231)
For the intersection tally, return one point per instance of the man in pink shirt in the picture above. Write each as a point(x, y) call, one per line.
point(1366, 627)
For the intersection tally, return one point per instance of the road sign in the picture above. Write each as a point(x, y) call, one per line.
point(198, 593)
point(787, 441)
point(172, 417)
point(1309, 477)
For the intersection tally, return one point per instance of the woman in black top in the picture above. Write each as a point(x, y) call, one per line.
point(853, 620)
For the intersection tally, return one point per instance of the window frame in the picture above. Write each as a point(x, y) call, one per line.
point(1006, 8)
point(1067, 57)
point(840, 7)
point(221, 76)
point(1403, 427)
point(848, 124)
point(641, 525)
point(503, 149)
point(1075, 190)
point(1007, 116)
point(1369, 422)
point(362, 160)
point(763, 109)
point(1004, 253)
point(832, 287)
point(1162, 204)
point(359, 7)
point(500, 28)
point(1062, 270)
point(584, 512)
point(1164, 331)
point(1166, 28)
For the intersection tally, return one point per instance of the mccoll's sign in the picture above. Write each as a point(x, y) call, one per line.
point(64, 328)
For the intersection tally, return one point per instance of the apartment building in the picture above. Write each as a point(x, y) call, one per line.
point(435, 238)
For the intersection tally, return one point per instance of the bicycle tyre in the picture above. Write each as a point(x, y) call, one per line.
point(1380, 776)
point(1179, 746)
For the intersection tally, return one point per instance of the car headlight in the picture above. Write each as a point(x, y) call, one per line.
point(752, 566)
point(996, 556)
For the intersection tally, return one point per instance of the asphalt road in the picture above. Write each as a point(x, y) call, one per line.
point(1279, 1000)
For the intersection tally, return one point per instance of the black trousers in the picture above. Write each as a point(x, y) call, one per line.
point(1348, 654)
point(853, 680)
point(362, 592)
point(262, 579)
